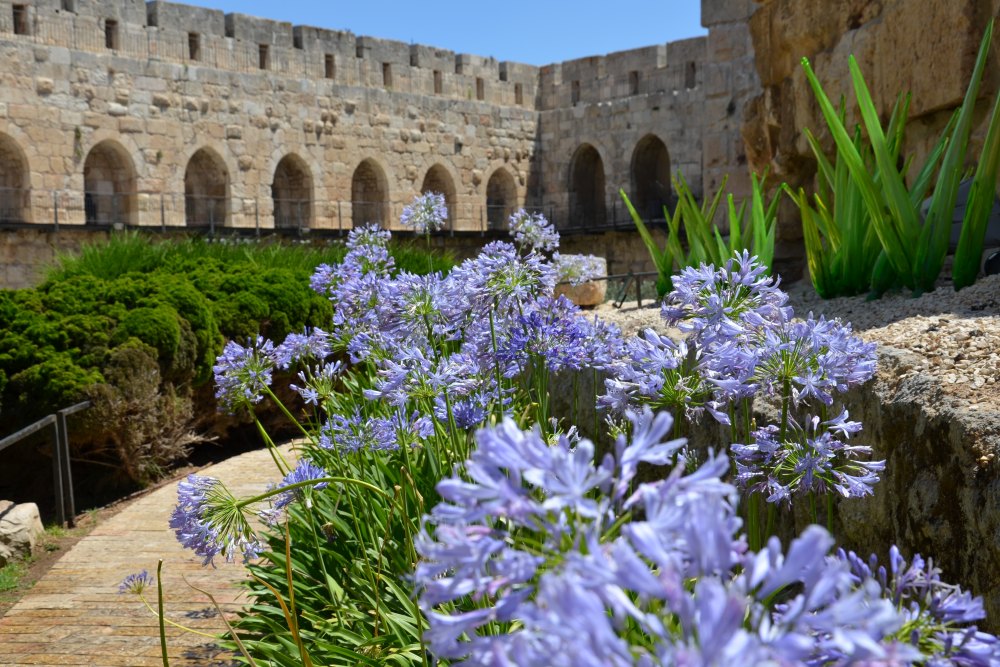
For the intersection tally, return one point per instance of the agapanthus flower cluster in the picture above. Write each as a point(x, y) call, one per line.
point(356, 432)
point(539, 555)
point(533, 232)
point(815, 458)
point(427, 212)
point(936, 613)
point(577, 269)
point(242, 373)
point(136, 583)
point(305, 471)
point(209, 520)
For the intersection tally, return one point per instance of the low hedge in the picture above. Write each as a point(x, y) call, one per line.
point(169, 306)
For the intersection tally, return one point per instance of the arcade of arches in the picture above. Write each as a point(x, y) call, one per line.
point(111, 195)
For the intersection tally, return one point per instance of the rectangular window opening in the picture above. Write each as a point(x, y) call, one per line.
point(329, 66)
point(480, 89)
point(359, 51)
point(194, 46)
point(575, 92)
point(503, 74)
point(110, 34)
point(438, 82)
point(263, 56)
point(69, 6)
point(414, 59)
point(633, 82)
point(518, 94)
point(387, 75)
point(20, 19)
point(691, 75)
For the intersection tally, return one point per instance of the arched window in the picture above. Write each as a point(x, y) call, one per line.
point(291, 192)
point(650, 178)
point(501, 198)
point(369, 195)
point(206, 190)
point(439, 180)
point(14, 192)
point(586, 188)
point(109, 187)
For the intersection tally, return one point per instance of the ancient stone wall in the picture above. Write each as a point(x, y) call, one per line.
point(925, 47)
point(125, 113)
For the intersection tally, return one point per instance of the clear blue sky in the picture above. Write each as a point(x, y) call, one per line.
point(536, 32)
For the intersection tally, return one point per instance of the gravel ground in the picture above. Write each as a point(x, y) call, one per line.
point(956, 334)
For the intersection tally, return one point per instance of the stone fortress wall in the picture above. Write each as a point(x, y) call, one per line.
point(122, 112)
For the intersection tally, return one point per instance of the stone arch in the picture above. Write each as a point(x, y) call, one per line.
point(438, 179)
point(206, 190)
point(109, 185)
point(15, 186)
point(501, 198)
point(587, 206)
point(650, 177)
point(369, 194)
point(291, 193)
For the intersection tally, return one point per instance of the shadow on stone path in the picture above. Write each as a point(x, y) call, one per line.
point(74, 615)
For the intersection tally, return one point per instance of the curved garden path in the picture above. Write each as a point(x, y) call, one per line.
point(74, 615)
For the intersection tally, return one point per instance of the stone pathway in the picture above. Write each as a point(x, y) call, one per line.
point(75, 616)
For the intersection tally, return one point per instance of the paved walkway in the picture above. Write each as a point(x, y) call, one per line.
point(75, 616)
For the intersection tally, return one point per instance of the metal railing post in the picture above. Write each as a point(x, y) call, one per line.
point(57, 473)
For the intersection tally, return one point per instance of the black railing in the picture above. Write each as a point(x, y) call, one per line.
point(62, 474)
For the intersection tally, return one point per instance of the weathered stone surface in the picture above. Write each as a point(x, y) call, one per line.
point(940, 491)
point(586, 295)
point(20, 528)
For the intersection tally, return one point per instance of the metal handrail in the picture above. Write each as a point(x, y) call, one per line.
point(62, 473)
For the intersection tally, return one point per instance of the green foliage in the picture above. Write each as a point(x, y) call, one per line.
point(178, 301)
point(913, 252)
point(750, 229)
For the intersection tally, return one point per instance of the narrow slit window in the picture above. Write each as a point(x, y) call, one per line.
point(20, 19)
point(575, 91)
point(194, 46)
point(69, 6)
point(263, 56)
point(480, 89)
point(329, 66)
point(387, 75)
point(518, 94)
point(110, 34)
point(691, 75)
point(438, 82)
point(633, 82)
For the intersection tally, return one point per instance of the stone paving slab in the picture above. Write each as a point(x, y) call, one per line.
point(75, 616)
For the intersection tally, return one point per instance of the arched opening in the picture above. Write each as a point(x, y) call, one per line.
point(586, 188)
point(439, 180)
point(14, 189)
point(206, 190)
point(109, 185)
point(369, 195)
point(501, 198)
point(650, 178)
point(291, 193)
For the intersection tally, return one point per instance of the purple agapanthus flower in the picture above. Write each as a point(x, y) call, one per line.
point(533, 232)
point(243, 373)
point(136, 583)
point(305, 471)
point(427, 212)
point(210, 521)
